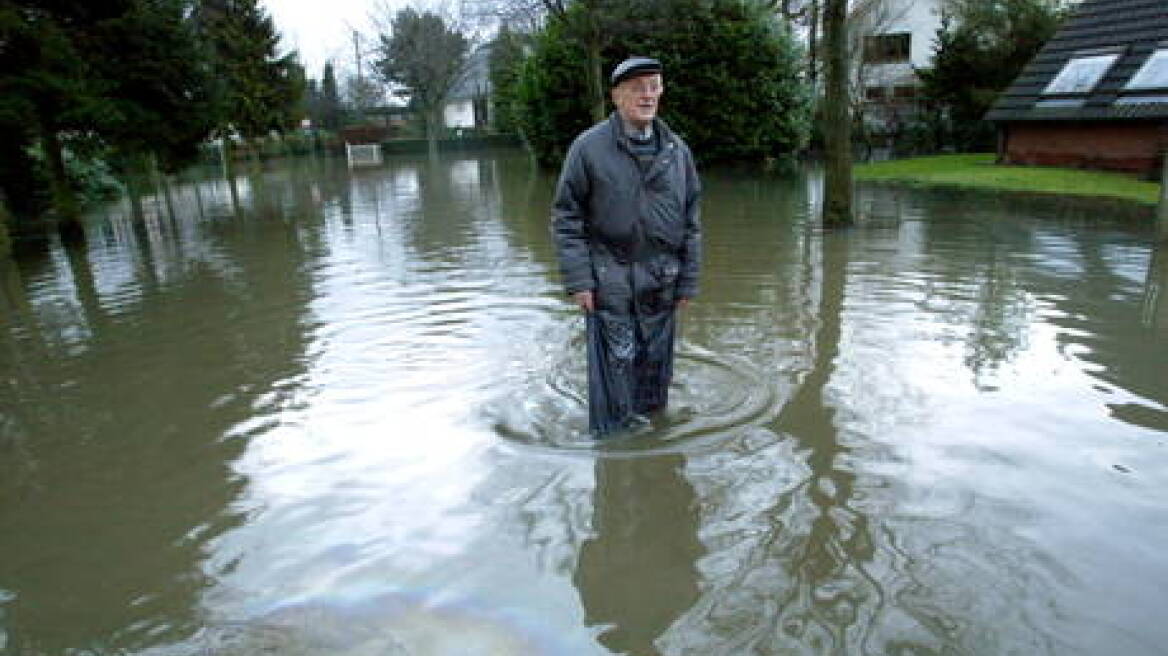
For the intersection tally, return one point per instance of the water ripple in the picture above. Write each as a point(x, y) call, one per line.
point(714, 397)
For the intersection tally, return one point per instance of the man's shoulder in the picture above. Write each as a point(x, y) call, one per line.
point(594, 136)
point(587, 149)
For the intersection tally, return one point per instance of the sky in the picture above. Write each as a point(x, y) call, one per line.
point(322, 29)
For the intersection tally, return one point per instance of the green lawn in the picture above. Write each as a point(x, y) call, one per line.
point(979, 172)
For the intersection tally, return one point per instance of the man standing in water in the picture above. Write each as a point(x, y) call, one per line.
point(626, 229)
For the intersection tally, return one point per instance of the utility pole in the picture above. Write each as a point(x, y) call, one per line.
point(359, 87)
point(357, 54)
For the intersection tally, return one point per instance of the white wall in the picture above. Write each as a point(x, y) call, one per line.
point(921, 18)
point(459, 114)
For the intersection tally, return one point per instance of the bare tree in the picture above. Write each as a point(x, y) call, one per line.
point(520, 15)
point(362, 93)
point(802, 16)
point(426, 55)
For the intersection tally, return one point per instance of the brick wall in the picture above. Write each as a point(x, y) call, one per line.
point(1134, 146)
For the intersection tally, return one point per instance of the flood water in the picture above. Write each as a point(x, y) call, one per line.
point(341, 412)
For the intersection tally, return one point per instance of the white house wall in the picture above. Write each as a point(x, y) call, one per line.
point(921, 19)
point(459, 114)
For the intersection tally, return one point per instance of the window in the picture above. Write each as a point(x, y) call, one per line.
point(887, 48)
point(1153, 74)
point(874, 94)
point(905, 93)
point(1081, 74)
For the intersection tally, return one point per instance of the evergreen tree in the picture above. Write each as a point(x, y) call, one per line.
point(154, 77)
point(330, 98)
point(733, 82)
point(48, 89)
point(505, 62)
point(550, 94)
point(26, 63)
point(257, 91)
point(981, 46)
point(120, 76)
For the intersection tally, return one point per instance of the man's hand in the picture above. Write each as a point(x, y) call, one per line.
point(586, 300)
point(682, 303)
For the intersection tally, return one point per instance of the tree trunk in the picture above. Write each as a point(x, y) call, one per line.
point(813, 45)
point(433, 121)
point(133, 181)
point(196, 183)
point(164, 182)
point(69, 217)
point(1156, 291)
point(254, 161)
point(1162, 215)
point(837, 201)
point(595, 75)
point(5, 235)
point(811, 415)
point(229, 174)
point(84, 286)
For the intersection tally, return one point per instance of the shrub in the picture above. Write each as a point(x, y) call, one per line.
point(734, 88)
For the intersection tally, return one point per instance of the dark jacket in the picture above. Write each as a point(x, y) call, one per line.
point(633, 237)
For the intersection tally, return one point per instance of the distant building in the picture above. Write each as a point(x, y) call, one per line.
point(894, 38)
point(467, 104)
point(1096, 95)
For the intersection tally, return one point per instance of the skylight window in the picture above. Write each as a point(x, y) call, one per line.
point(1153, 74)
point(1081, 74)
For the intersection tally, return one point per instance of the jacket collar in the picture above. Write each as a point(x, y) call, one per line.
point(616, 125)
point(668, 143)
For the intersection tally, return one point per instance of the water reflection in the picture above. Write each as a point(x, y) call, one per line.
point(115, 418)
point(637, 574)
point(325, 411)
point(831, 592)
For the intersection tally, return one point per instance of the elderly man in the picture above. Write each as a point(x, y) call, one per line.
point(625, 224)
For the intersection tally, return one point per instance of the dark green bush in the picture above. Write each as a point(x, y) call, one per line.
point(734, 88)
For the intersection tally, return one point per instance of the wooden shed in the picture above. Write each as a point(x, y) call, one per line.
point(1096, 95)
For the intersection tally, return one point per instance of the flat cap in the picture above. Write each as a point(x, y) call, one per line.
point(633, 67)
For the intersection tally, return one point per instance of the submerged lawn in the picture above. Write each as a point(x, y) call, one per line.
point(978, 171)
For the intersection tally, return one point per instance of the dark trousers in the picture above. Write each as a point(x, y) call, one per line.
point(630, 365)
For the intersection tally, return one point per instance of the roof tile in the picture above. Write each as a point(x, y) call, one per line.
point(1138, 25)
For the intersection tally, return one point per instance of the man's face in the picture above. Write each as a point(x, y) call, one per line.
point(636, 98)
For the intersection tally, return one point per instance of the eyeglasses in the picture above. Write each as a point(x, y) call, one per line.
point(644, 86)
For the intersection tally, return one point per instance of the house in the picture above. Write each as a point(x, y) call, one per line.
point(894, 37)
point(467, 103)
point(1096, 95)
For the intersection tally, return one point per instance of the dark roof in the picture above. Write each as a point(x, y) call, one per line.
point(1138, 27)
point(475, 80)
